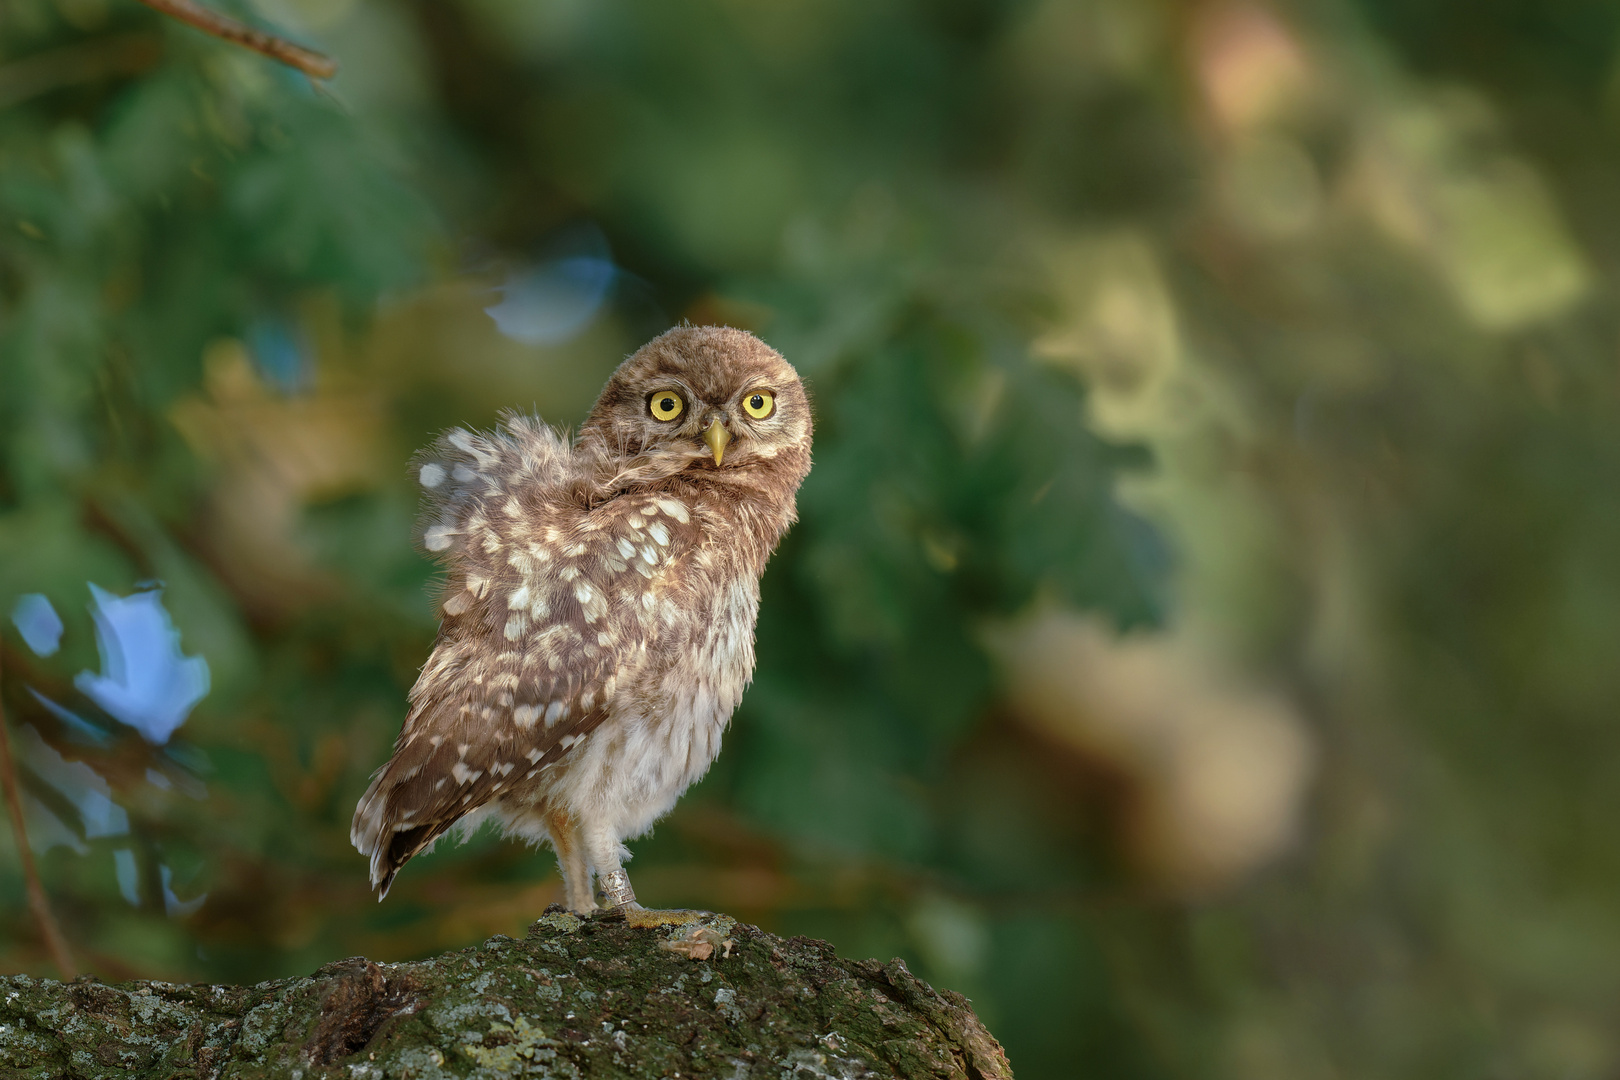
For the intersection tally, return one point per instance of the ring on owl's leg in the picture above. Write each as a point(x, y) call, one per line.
point(616, 889)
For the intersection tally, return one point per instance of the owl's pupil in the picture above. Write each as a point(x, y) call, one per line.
point(757, 402)
point(666, 404)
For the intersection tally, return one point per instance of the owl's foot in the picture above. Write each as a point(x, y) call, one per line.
point(621, 905)
point(636, 915)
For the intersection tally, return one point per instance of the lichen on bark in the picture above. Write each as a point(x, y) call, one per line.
point(575, 998)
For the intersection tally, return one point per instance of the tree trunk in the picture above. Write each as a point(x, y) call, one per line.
point(575, 998)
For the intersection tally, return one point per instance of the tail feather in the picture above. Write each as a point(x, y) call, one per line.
point(380, 835)
point(403, 812)
point(391, 849)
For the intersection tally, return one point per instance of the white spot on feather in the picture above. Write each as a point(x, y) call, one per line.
point(675, 509)
point(591, 602)
point(555, 713)
point(432, 475)
point(438, 537)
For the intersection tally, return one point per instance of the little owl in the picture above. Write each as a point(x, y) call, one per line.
point(598, 609)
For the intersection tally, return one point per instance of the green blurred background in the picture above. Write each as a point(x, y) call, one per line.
point(1201, 643)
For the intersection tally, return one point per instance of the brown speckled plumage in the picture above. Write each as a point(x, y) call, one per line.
point(598, 610)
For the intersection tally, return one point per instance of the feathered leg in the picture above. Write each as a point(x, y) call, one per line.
point(569, 844)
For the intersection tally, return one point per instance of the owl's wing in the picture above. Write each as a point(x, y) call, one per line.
point(549, 606)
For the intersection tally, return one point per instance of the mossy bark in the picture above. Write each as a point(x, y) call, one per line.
point(575, 998)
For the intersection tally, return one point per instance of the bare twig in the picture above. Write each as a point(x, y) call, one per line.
point(311, 63)
point(54, 942)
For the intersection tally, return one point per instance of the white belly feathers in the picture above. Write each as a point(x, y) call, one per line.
point(659, 741)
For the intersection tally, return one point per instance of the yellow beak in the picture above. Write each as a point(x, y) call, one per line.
point(717, 438)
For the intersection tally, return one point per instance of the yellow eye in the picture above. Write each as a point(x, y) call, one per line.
point(759, 404)
point(665, 405)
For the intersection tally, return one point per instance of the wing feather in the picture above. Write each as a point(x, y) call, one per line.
point(550, 603)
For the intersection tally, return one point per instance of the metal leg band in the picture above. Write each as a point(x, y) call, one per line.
point(616, 889)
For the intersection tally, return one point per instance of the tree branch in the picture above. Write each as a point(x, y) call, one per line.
point(311, 63)
point(54, 942)
point(574, 998)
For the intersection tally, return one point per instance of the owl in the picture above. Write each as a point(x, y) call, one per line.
point(598, 609)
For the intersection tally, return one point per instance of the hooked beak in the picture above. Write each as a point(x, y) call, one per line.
point(717, 438)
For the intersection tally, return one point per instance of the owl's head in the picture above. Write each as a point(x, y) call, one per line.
point(721, 398)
